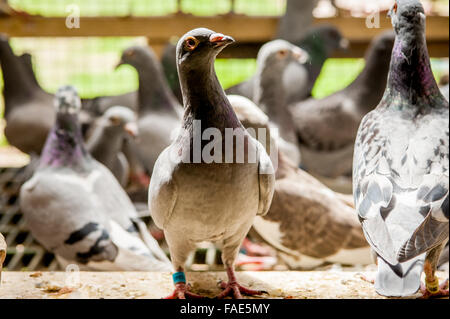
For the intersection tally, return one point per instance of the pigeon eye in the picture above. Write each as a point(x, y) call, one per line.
point(395, 7)
point(282, 54)
point(114, 120)
point(191, 43)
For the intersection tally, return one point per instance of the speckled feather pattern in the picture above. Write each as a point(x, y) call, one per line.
point(401, 163)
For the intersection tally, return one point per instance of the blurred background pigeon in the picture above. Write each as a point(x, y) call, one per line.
point(75, 207)
point(29, 112)
point(106, 141)
point(319, 42)
point(159, 112)
point(308, 224)
point(326, 128)
point(274, 60)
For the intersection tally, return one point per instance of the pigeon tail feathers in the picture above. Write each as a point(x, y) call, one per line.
point(400, 280)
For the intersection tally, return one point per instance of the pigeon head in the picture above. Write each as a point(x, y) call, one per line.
point(330, 36)
point(275, 60)
point(280, 53)
point(199, 46)
point(121, 117)
point(407, 15)
point(65, 145)
point(137, 56)
point(410, 74)
point(67, 100)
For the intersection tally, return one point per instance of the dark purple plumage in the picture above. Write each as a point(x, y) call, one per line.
point(65, 146)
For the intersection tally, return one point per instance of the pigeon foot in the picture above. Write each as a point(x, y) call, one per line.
point(433, 290)
point(235, 290)
point(182, 291)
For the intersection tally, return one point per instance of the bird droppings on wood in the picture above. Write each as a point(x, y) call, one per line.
point(153, 285)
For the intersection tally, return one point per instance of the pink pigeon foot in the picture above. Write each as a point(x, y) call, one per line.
point(441, 292)
point(234, 289)
point(182, 292)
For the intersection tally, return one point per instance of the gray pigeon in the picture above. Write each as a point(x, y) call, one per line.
point(98, 105)
point(28, 108)
point(326, 128)
point(274, 60)
point(106, 140)
point(319, 42)
point(2, 254)
point(28, 111)
point(159, 112)
point(307, 223)
point(203, 193)
point(27, 61)
point(76, 209)
point(401, 166)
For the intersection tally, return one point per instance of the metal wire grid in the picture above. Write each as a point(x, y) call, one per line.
point(24, 253)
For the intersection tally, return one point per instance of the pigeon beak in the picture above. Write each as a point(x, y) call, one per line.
point(344, 44)
point(132, 129)
point(220, 40)
point(300, 55)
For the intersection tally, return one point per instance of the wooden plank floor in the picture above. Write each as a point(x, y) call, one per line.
point(131, 285)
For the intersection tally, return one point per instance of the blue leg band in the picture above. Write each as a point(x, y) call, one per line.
point(179, 277)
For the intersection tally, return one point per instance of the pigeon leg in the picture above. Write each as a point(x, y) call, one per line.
point(179, 251)
point(234, 289)
point(432, 289)
point(230, 251)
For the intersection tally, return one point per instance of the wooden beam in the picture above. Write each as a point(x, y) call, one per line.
point(245, 50)
point(250, 32)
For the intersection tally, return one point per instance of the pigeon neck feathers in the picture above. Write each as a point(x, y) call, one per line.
point(410, 76)
point(154, 93)
point(205, 100)
point(317, 47)
point(64, 146)
point(270, 94)
point(106, 142)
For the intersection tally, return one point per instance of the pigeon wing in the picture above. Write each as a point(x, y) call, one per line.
point(400, 187)
point(266, 180)
point(162, 193)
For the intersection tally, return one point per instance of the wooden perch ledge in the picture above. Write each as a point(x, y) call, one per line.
point(118, 285)
point(249, 31)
